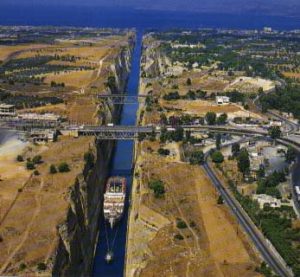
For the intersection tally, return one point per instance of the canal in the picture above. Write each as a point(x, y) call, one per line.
point(121, 165)
point(296, 179)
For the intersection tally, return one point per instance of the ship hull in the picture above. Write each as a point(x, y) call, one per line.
point(114, 200)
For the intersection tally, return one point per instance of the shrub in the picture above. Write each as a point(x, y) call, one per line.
point(22, 266)
point(141, 136)
point(211, 118)
point(178, 237)
point(89, 158)
point(41, 266)
point(220, 200)
point(192, 224)
point(197, 157)
point(20, 158)
point(172, 96)
point(181, 224)
point(37, 159)
point(52, 169)
point(217, 157)
point(158, 188)
point(163, 152)
point(63, 167)
point(36, 173)
point(30, 165)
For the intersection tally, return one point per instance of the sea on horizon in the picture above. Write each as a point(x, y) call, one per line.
point(140, 19)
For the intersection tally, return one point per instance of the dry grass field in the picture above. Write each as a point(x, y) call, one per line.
point(210, 244)
point(76, 79)
point(34, 209)
point(291, 75)
point(17, 50)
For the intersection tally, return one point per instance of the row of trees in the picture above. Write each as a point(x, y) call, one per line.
point(211, 118)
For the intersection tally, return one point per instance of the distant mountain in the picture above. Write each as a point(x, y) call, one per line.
point(265, 7)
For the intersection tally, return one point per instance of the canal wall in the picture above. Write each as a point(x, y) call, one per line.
point(78, 234)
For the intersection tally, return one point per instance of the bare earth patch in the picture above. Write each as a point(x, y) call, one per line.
point(211, 245)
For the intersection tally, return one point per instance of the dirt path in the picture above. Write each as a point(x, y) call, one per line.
point(14, 201)
point(36, 212)
point(82, 91)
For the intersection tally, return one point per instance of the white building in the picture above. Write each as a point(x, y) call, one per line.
point(221, 100)
point(268, 30)
point(263, 199)
point(40, 117)
point(7, 110)
point(43, 136)
point(275, 123)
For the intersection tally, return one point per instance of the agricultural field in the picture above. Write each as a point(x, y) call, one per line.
point(221, 61)
point(55, 72)
point(54, 64)
point(183, 76)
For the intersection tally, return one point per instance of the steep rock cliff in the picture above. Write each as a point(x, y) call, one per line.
point(78, 234)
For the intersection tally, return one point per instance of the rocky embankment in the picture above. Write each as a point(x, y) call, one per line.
point(78, 234)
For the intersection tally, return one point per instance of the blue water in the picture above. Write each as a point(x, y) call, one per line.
point(122, 18)
point(122, 162)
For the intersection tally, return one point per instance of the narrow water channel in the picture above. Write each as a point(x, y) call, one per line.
point(121, 165)
point(296, 177)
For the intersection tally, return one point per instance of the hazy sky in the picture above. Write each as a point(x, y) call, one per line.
point(287, 7)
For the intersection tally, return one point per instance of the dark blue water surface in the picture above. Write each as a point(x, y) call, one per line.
point(122, 163)
point(122, 18)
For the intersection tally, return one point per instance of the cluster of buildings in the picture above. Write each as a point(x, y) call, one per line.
point(264, 199)
point(8, 112)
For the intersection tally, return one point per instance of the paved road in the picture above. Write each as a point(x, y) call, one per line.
point(260, 242)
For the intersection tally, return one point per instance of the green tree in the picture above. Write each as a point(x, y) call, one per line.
point(163, 135)
point(197, 157)
point(235, 149)
point(188, 82)
point(63, 167)
point(52, 169)
point(180, 224)
point(158, 188)
point(217, 157)
point(178, 134)
point(89, 159)
point(274, 132)
point(244, 161)
point(41, 266)
point(163, 152)
point(222, 119)
point(191, 95)
point(36, 173)
point(290, 155)
point(141, 136)
point(218, 141)
point(210, 118)
point(30, 165)
point(37, 159)
point(20, 158)
point(261, 172)
point(220, 200)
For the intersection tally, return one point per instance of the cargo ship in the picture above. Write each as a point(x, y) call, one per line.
point(114, 199)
